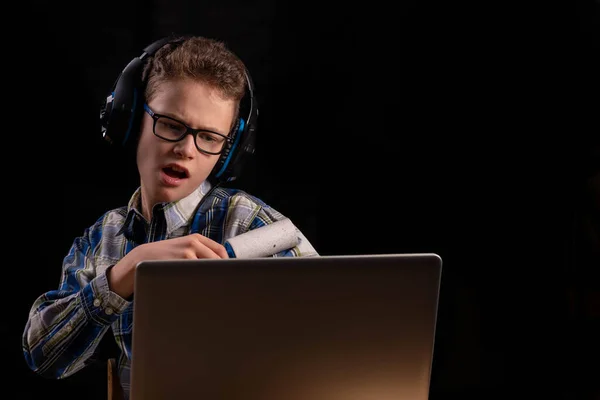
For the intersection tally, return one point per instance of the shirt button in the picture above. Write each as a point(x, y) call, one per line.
point(97, 302)
point(108, 310)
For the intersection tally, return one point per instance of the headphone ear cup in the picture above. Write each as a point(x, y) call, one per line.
point(120, 113)
point(223, 168)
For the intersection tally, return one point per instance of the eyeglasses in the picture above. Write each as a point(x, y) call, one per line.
point(173, 130)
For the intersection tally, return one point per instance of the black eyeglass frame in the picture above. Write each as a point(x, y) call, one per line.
point(189, 131)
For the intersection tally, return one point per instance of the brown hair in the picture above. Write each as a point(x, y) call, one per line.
point(200, 59)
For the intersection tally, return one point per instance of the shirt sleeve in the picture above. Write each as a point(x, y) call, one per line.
point(65, 325)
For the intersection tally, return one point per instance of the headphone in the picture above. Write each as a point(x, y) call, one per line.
point(121, 112)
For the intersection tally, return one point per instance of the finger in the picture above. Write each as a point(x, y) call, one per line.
point(215, 248)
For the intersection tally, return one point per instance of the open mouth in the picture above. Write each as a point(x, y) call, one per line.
point(176, 172)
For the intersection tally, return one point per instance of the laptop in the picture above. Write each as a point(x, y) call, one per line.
point(356, 327)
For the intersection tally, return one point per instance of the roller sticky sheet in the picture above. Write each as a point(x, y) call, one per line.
point(264, 241)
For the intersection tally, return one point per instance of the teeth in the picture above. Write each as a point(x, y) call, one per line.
point(176, 168)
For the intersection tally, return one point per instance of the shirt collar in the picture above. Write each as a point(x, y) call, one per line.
point(176, 214)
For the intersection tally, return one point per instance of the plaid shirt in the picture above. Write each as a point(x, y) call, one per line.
point(66, 325)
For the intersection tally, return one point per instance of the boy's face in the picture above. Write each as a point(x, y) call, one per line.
point(170, 171)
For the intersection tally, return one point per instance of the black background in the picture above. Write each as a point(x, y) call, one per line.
point(469, 129)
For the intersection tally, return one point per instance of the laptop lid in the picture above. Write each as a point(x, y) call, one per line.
point(314, 328)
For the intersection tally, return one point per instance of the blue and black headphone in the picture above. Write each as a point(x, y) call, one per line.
point(120, 115)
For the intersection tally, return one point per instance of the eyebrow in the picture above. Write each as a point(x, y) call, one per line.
point(204, 128)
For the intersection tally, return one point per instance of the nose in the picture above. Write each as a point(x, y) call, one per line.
point(185, 148)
